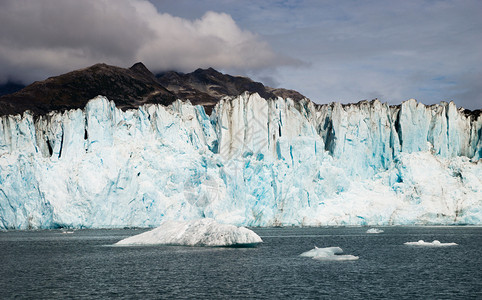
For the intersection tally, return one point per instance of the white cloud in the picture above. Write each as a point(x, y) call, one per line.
point(48, 37)
point(211, 41)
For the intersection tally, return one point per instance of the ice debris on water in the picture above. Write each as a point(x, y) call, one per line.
point(374, 230)
point(435, 243)
point(203, 232)
point(328, 254)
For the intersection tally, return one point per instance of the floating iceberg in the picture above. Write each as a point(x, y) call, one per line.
point(328, 254)
point(374, 230)
point(435, 243)
point(204, 232)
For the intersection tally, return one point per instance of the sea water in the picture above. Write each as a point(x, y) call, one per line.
point(84, 264)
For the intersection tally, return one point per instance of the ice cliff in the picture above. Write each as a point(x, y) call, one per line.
point(253, 162)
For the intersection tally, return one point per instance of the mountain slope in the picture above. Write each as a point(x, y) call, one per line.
point(128, 88)
point(207, 86)
point(131, 88)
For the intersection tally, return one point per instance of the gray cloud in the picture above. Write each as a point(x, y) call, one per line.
point(393, 50)
point(351, 50)
point(48, 37)
point(466, 90)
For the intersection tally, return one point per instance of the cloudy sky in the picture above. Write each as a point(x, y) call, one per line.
point(328, 50)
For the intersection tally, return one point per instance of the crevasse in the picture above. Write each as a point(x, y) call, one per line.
point(253, 162)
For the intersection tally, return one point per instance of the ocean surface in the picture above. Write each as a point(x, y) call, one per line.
point(84, 265)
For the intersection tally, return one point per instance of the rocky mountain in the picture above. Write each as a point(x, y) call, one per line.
point(130, 88)
point(207, 86)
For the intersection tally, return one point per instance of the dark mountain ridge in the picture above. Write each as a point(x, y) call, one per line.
point(128, 88)
point(206, 87)
point(131, 88)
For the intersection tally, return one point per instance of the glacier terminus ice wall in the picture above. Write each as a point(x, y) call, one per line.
point(253, 162)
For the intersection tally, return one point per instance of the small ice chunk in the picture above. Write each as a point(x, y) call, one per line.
point(374, 230)
point(435, 243)
point(336, 258)
point(322, 251)
point(203, 232)
point(328, 254)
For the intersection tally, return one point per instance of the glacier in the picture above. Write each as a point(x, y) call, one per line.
point(202, 232)
point(252, 162)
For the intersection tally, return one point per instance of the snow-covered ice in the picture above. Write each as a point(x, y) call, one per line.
point(328, 254)
point(322, 251)
point(203, 232)
point(374, 230)
point(253, 162)
point(435, 243)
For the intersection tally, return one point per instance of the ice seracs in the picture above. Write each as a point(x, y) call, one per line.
point(252, 162)
point(203, 232)
point(328, 254)
point(435, 243)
